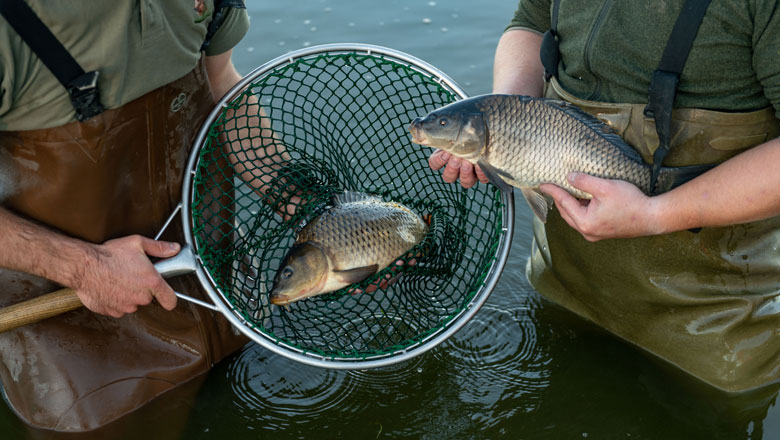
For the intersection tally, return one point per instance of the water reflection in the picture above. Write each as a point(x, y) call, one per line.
point(280, 392)
point(499, 362)
point(476, 381)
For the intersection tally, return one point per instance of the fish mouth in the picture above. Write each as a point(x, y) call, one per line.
point(418, 134)
point(280, 299)
point(283, 298)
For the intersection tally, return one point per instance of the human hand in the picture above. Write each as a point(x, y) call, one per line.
point(121, 277)
point(618, 209)
point(456, 168)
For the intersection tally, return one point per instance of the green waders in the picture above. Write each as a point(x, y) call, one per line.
point(707, 302)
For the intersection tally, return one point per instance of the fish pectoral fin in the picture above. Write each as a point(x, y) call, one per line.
point(537, 201)
point(494, 175)
point(357, 274)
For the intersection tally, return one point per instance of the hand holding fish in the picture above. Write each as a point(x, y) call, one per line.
point(456, 168)
point(617, 209)
point(522, 142)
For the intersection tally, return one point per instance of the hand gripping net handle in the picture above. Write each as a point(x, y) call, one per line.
point(335, 118)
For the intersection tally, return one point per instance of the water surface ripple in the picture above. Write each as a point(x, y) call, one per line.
point(278, 392)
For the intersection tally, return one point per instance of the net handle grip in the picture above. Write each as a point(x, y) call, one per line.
point(65, 300)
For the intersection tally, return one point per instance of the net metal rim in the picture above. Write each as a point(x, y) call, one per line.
point(309, 358)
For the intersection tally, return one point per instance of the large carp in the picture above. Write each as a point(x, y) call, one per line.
point(523, 142)
point(356, 237)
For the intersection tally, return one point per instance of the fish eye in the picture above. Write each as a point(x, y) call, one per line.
point(287, 272)
point(443, 122)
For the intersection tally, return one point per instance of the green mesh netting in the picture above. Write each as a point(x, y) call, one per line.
point(273, 159)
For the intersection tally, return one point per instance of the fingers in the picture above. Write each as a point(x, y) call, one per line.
point(122, 278)
point(159, 248)
point(481, 175)
point(568, 206)
point(563, 200)
point(554, 191)
point(452, 170)
point(160, 289)
point(456, 169)
point(468, 177)
point(438, 159)
point(589, 184)
point(166, 297)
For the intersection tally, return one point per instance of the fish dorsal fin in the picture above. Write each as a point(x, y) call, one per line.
point(354, 196)
point(597, 125)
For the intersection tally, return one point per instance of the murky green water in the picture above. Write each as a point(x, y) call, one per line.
point(522, 368)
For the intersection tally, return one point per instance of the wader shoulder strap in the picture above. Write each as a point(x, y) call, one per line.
point(663, 85)
point(550, 54)
point(81, 86)
point(220, 11)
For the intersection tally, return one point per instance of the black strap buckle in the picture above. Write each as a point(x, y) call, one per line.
point(663, 87)
point(85, 95)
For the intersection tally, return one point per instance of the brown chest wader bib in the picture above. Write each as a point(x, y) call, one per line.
point(707, 302)
point(115, 174)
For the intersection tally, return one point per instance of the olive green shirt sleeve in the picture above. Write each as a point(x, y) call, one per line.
point(138, 47)
point(533, 15)
point(231, 31)
point(766, 50)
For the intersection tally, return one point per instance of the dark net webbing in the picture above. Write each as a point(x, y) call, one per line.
point(333, 122)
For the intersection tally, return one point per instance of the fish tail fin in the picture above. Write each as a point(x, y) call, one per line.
point(672, 177)
point(427, 218)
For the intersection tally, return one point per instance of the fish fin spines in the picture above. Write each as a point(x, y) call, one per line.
point(494, 175)
point(537, 201)
point(354, 196)
point(597, 125)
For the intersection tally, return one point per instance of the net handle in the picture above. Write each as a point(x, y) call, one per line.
point(65, 300)
point(39, 308)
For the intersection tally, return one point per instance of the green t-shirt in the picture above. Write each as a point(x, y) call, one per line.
point(609, 49)
point(137, 46)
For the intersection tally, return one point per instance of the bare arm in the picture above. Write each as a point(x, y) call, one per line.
point(517, 70)
point(740, 190)
point(743, 189)
point(222, 74)
point(112, 278)
point(258, 152)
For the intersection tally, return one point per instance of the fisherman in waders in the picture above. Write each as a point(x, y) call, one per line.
point(99, 104)
point(693, 275)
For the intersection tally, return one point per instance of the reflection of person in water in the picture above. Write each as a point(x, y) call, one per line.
point(90, 159)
